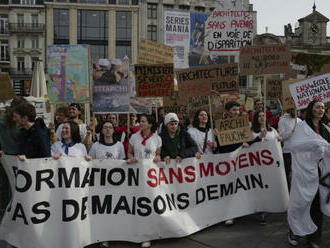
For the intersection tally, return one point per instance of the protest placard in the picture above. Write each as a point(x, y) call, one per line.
point(315, 88)
point(154, 80)
point(110, 86)
point(74, 206)
point(151, 52)
point(273, 88)
point(265, 59)
point(196, 103)
point(177, 34)
point(286, 98)
point(175, 105)
point(229, 27)
point(68, 73)
point(202, 81)
point(234, 130)
point(249, 104)
point(6, 90)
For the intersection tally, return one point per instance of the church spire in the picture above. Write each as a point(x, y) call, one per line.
point(314, 7)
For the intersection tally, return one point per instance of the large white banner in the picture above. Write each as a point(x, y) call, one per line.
point(177, 35)
point(316, 88)
point(74, 203)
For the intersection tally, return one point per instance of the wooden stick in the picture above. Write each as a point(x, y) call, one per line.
point(265, 100)
point(210, 111)
point(156, 114)
point(128, 125)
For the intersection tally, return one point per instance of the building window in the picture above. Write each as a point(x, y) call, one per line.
point(152, 10)
point(211, 9)
point(93, 1)
point(135, 2)
point(3, 24)
point(93, 30)
point(35, 20)
point(152, 32)
point(28, 2)
point(20, 20)
point(200, 9)
point(112, 1)
point(4, 52)
point(184, 7)
point(20, 64)
point(61, 26)
point(20, 41)
point(243, 81)
point(123, 2)
point(35, 42)
point(168, 6)
point(123, 34)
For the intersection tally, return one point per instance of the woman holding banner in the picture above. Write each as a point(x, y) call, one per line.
point(70, 144)
point(145, 144)
point(309, 196)
point(202, 133)
point(107, 146)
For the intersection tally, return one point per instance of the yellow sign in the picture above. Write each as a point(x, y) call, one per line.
point(6, 91)
point(151, 52)
point(233, 130)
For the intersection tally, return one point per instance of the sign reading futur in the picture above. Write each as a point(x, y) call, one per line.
point(229, 27)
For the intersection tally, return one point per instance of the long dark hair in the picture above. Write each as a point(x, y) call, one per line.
point(114, 137)
point(196, 121)
point(74, 128)
point(256, 127)
point(324, 120)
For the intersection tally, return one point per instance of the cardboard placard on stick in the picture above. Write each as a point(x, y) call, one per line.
point(151, 52)
point(154, 80)
point(287, 100)
point(273, 88)
point(267, 59)
point(175, 105)
point(201, 81)
point(6, 91)
point(233, 130)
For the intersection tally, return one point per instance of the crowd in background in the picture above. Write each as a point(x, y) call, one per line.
point(173, 137)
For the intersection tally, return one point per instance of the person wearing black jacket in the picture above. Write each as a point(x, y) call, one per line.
point(34, 141)
point(176, 143)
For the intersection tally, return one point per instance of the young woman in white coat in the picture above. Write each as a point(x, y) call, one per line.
point(309, 195)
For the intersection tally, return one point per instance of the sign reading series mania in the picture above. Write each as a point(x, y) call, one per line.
point(74, 203)
point(316, 88)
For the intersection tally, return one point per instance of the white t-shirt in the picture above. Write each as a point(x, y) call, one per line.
point(77, 150)
point(82, 131)
point(100, 151)
point(271, 135)
point(149, 150)
point(199, 137)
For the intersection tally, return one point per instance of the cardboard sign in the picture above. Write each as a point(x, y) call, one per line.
point(202, 81)
point(286, 99)
point(229, 27)
point(249, 104)
point(6, 91)
point(234, 130)
point(196, 103)
point(316, 88)
point(154, 80)
point(151, 52)
point(175, 105)
point(273, 88)
point(267, 59)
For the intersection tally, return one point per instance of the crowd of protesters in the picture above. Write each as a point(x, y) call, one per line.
point(172, 139)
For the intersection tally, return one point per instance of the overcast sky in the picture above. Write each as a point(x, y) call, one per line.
point(276, 13)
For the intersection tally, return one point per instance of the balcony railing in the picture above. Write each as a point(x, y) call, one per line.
point(4, 59)
point(26, 27)
point(16, 71)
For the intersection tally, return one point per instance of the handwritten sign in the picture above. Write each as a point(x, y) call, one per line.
point(154, 80)
point(233, 130)
point(151, 52)
point(201, 81)
point(287, 100)
point(229, 27)
point(175, 105)
point(316, 88)
point(267, 59)
point(6, 91)
point(273, 88)
point(249, 104)
point(196, 103)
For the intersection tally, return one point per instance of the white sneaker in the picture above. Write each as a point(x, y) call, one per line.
point(146, 244)
point(229, 222)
